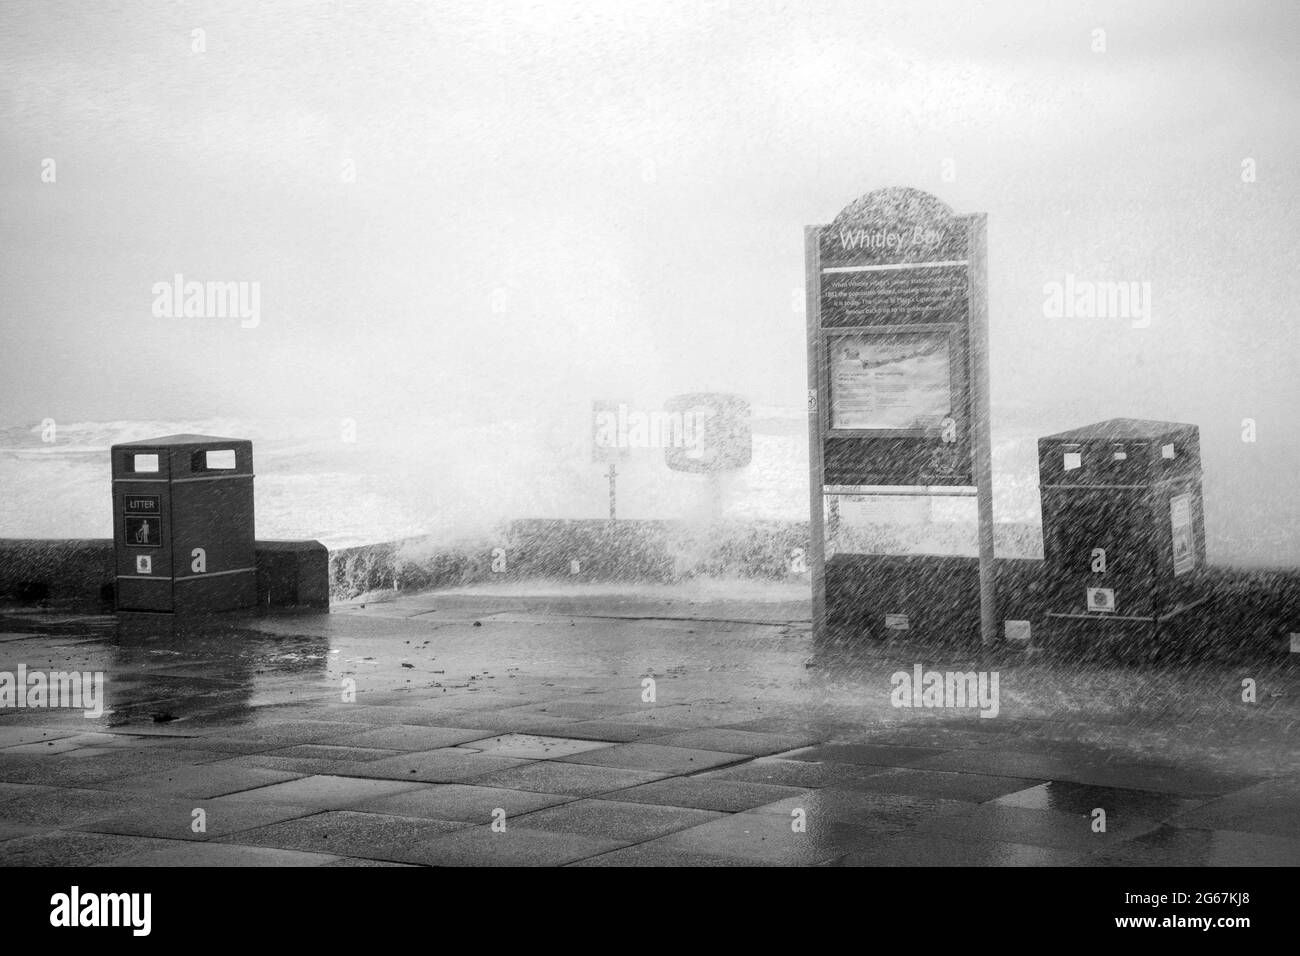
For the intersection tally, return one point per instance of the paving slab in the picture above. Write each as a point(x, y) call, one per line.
point(879, 812)
point(347, 833)
point(579, 780)
point(410, 737)
point(704, 793)
point(72, 848)
point(333, 753)
point(911, 849)
point(1067, 797)
point(176, 820)
point(462, 802)
point(655, 757)
point(872, 755)
point(63, 744)
point(769, 837)
point(10, 830)
point(1053, 829)
point(326, 792)
point(448, 765)
point(1046, 766)
point(730, 740)
point(217, 854)
point(68, 807)
point(657, 855)
point(1176, 846)
point(304, 766)
point(349, 861)
point(625, 822)
point(491, 722)
point(1232, 813)
point(971, 787)
point(614, 731)
point(803, 774)
point(583, 710)
point(88, 767)
point(11, 791)
point(203, 780)
point(11, 737)
point(286, 733)
point(533, 746)
point(515, 846)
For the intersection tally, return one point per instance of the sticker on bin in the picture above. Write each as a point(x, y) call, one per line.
point(1073, 460)
point(896, 622)
point(1166, 451)
point(1101, 599)
point(1017, 632)
point(143, 564)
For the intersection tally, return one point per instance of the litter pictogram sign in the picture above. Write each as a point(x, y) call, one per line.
point(142, 531)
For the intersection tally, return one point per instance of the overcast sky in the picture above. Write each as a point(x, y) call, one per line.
point(570, 200)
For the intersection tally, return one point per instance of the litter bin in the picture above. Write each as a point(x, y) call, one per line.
point(1123, 524)
point(183, 524)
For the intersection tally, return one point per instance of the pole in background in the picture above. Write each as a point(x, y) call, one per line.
point(612, 494)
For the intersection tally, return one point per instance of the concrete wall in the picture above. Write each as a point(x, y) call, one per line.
point(940, 595)
point(1248, 610)
point(533, 549)
point(78, 573)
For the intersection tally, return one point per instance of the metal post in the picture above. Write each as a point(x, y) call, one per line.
point(816, 529)
point(981, 427)
point(612, 496)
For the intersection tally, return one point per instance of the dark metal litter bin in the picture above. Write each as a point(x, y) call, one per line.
point(183, 524)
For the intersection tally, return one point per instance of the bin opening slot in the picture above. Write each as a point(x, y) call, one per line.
point(144, 463)
point(220, 459)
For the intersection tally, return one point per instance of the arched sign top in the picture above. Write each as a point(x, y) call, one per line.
point(894, 205)
point(894, 226)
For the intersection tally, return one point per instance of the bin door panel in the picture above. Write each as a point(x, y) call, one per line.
point(213, 526)
point(142, 545)
point(1101, 539)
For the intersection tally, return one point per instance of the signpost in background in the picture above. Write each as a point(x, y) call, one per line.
point(898, 396)
point(605, 444)
point(704, 433)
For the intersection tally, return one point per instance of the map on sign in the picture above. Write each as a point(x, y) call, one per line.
point(900, 381)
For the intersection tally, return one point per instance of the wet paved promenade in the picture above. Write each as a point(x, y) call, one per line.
point(500, 730)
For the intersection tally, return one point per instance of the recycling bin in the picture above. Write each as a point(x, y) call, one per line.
point(183, 524)
point(1123, 524)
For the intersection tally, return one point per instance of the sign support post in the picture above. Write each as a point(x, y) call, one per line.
point(816, 367)
point(981, 425)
